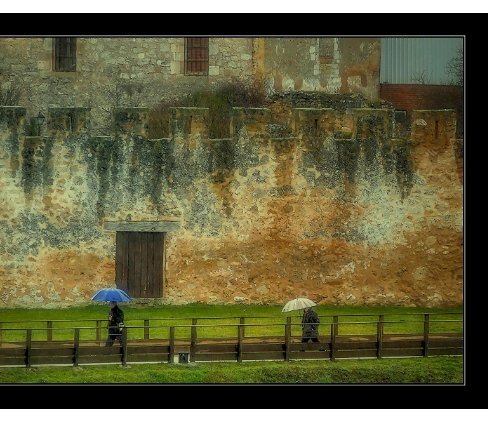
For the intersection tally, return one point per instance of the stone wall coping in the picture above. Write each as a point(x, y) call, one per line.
point(217, 139)
point(143, 226)
point(188, 108)
point(311, 109)
point(69, 108)
point(131, 108)
point(434, 111)
point(252, 108)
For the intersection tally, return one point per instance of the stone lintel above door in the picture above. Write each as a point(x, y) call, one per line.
point(150, 226)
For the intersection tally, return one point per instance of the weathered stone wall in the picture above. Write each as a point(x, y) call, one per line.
point(133, 72)
point(335, 65)
point(345, 210)
point(360, 66)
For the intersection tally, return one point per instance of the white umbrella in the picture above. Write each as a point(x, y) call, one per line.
point(298, 304)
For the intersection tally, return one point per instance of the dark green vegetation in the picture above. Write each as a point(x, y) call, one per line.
point(408, 370)
point(220, 102)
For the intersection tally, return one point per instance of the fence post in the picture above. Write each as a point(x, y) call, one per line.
point(98, 330)
point(49, 330)
point(288, 328)
point(28, 347)
point(76, 345)
point(336, 325)
point(1, 333)
point(193, 340)
point(242, 322)
point(380, 335)
point(332, 342)
point(240, 343)
point(146, 329)
point(124, 347)
point(426, 334)
point(172, 344)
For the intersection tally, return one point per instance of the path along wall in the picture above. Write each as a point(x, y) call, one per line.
point(351, 209)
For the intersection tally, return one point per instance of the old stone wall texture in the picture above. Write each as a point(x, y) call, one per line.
point(345, 210)
point(133, 72)
point(336, 65)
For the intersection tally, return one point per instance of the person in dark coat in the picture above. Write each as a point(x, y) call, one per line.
point(310, 322)
point(116, 318)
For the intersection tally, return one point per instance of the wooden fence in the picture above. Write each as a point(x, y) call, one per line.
point(73, 350)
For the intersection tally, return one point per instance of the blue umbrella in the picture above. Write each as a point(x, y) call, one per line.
point(111, 294)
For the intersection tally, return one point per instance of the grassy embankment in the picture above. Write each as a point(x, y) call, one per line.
point(409, 370)
point(159, 328)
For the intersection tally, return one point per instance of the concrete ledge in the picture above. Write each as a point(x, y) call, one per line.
point(151, 226)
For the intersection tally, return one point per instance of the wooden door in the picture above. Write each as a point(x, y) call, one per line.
point(140, 263)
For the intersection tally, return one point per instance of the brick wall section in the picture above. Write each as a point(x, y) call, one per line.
point(428, 97)
point(415, 97)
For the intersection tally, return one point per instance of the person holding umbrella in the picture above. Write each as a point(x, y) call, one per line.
point(310, 319)
point(116, 317)
point(310, 322)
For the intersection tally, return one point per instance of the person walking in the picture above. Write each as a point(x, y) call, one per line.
point(116, 317)
point(310, 322)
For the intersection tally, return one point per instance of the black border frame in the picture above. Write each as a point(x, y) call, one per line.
point(471, 395)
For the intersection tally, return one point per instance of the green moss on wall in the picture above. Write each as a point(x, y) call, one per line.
point(103, 156)
point(13, 147)
point(34, 230)
point(37, 166)
point(151, 168)
point(221, 159)
point(404, 168)
point(348, 154)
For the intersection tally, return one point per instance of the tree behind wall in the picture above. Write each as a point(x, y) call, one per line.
point(455, 68)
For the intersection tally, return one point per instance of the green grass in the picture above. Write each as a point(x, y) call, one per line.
point(134, 313)
point(405, 370)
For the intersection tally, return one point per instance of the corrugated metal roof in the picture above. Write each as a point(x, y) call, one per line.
point(411, 60)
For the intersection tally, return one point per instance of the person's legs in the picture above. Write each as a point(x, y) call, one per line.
point(305, 339)
point(110, 340)
point(111, 337)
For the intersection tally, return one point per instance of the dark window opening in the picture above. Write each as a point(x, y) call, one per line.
point(65, 54)
point(196, 56)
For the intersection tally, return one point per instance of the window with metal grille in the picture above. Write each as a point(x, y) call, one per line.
point(326, 49)
point(196, 56)
point(65, 54)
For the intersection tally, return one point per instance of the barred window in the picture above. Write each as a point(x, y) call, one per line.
point(65, 54)
point(326, 49)
point(196, 56)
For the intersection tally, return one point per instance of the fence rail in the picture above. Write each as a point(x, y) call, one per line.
point(235, 346)
point(228, 317)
